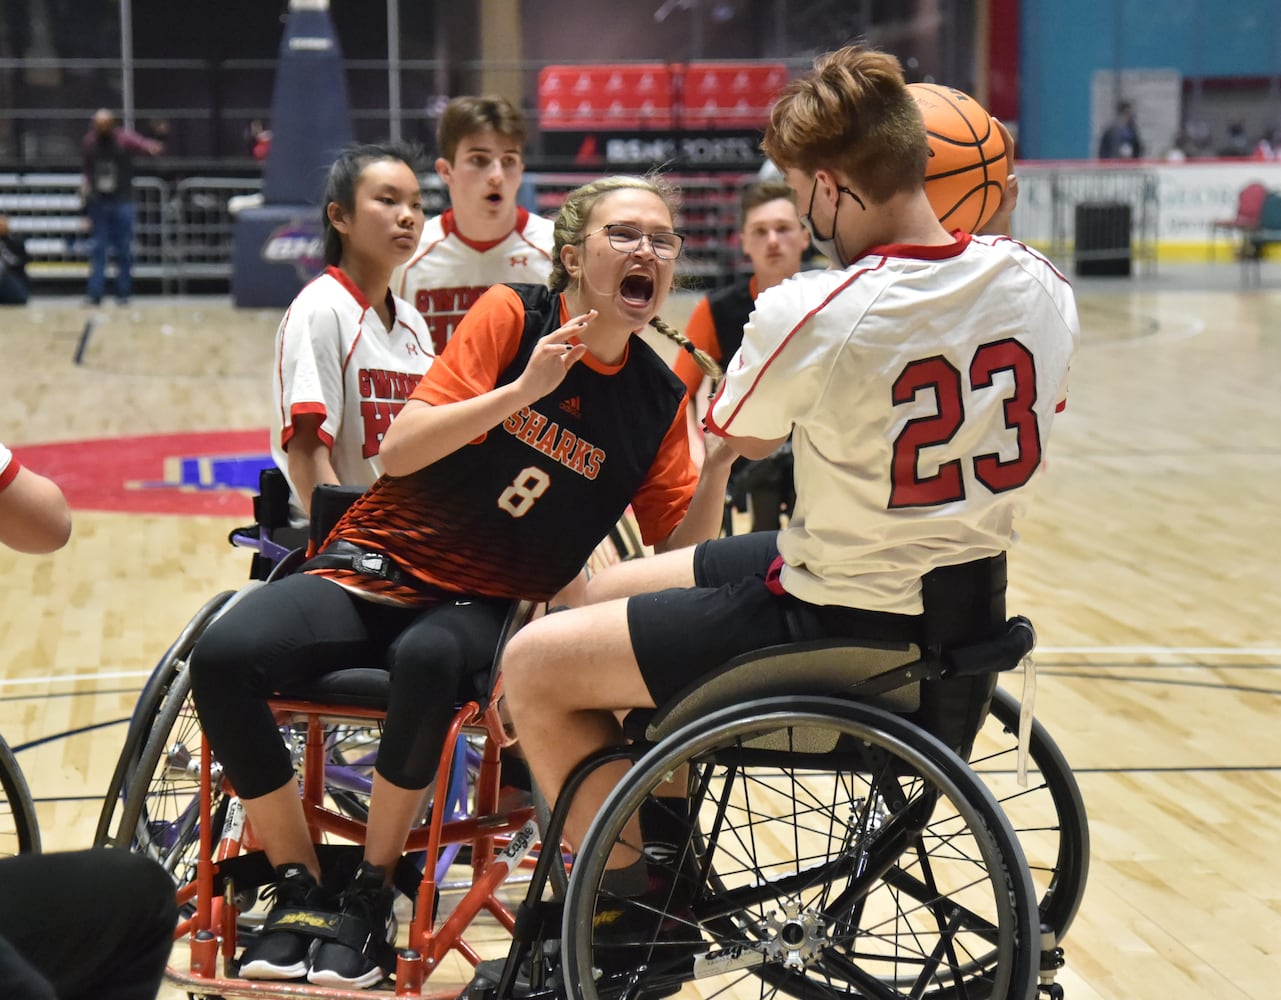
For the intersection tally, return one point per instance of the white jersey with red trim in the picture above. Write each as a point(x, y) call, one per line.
point(450, 272)
point(9, 467)
point(334, 358)
point(920, 385)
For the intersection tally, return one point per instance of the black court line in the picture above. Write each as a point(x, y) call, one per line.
point(41, 800)
point(85, 334)
point(70, 732)
point(1169, 682)
point(68, 694)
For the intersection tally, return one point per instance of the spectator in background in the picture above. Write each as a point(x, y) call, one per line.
point(107, 187)
point(1237, 142)
point(258, 137)
point(1269, 145)
point(1120, 141)
point(14, 286)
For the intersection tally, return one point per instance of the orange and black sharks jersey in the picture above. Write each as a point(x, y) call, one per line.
point(517, 512)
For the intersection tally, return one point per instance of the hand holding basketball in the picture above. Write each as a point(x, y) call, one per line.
point(999, 224)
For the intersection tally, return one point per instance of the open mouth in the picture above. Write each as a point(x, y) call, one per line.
point(494, 199)
point(637, 289)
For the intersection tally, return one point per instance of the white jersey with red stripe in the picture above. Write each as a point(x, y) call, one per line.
point(920, 385)
point(335, 358)
point(9, 467)
point(450, 272)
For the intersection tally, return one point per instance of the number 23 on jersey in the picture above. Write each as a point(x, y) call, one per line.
point(911, 488)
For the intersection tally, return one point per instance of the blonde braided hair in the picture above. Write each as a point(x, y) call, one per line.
point(706, 363)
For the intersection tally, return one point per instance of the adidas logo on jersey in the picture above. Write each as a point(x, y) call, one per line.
point(573, 406)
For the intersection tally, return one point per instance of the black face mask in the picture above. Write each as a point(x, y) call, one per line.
point(826, 245)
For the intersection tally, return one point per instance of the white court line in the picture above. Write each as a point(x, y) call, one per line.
point(1269, 651)
point(1272, 651)
point(72, 678)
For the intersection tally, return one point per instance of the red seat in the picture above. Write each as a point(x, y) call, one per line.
point(1249, 209)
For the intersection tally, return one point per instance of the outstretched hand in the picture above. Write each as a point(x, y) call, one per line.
point(553, 356)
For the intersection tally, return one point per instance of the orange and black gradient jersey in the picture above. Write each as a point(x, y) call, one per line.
point(516, 512)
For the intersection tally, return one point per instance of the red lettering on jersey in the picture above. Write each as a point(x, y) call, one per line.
point(546, 444)
point(379, 383)
point(442, 308)
point(376, 416)
point(382, 383)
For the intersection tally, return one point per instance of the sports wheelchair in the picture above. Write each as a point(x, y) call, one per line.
point(833, 848)
point(828, 845)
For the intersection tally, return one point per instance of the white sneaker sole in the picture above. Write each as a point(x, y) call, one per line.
point(326, 977)
point(265, 970)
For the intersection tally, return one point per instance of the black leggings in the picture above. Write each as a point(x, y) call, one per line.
point(287, 633)
point(84, 925)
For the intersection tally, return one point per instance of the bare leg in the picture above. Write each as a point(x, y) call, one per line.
point(565, 675)
point(642, 576)
point(279, 824)
point(392, 813)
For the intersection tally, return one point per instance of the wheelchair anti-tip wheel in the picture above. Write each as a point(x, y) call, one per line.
point(826, 849)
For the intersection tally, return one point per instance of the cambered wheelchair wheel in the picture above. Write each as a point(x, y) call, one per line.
point(19, 830)
point(161, 815)
point(831, 850)
point(145, 711)
point(1048, 815)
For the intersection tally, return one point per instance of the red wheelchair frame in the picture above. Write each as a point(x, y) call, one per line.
point(499, 843)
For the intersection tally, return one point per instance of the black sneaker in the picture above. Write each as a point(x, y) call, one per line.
point(646, 930)
point(363, 952)
point(279, 951)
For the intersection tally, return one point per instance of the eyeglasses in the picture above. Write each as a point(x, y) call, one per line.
point(629, 239)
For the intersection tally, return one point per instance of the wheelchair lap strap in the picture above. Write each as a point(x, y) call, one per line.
point(345, 555)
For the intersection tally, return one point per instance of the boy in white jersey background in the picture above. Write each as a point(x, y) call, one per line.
point(918, 377)
point(485, 236)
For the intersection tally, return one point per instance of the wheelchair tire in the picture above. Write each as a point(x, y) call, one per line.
point(146, 708)
point(19, 828)
point(1048, 816)
point(161, 815)
point(834, 851)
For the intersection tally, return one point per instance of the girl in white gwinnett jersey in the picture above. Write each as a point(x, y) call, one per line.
point(918, 377)
point(348, 352)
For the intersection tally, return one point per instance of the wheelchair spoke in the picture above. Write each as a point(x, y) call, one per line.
point(855, 873)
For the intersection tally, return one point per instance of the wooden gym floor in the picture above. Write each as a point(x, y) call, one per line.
point(1149, 565)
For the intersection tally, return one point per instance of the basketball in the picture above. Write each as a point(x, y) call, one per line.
point(965, 175)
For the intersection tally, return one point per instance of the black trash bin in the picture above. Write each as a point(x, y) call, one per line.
point(1103, 239)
